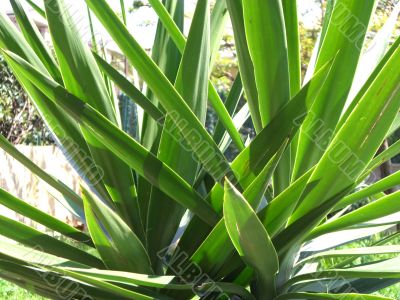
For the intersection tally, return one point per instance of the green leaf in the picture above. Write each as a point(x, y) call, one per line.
point(380, 208)
point(231, 103)
point(227, 288)
point(77, 64)
point(215, 249)
point(20, 254)
point(108, 287)
point(384, 241)
point(270, 59)
point(135, 155)
point(66, 131)
point(358, 140)
point(30, 237)
point(37, 8)
point(169, 98)
point(395, 126)
point(83, 78)
point(218, 20)
point(170, 26)
point(246, 66)
point(293, 44)
point(106, 250)
point(129, 253)
point(368, 83)
point(123, 11)
point(35, 40)
point(36, 279)
point(277, 213)
point(180, 42)
point(344, 39)
point(239, 119)
point(92, 33)
point(289, 240)
point(375, 52)
point(352, 253)
point(271, 66)
point(45, 219)
point(164, 214)
point(160, 282)
point(251, 240)
point(129, 89)
point(223, 116)
point(73, 199)
point(384, 156)
point(386, 269)
point(166, 55)
point(382, 185)
point(249, 163)
point(130, 278)
point(320, 296)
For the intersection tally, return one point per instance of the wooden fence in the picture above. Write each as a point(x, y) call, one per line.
point(20, 182)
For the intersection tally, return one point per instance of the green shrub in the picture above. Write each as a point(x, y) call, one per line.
point(168, 215)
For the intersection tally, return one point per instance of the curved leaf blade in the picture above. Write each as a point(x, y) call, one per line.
point(251, 240)
point(169, 98)
point(145, 163)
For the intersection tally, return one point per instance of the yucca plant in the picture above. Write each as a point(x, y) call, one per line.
point(168, 216)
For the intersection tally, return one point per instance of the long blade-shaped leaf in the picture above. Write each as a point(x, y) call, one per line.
point(129, 89)
point(352, 253)
point(26, 255)
point(250, 162)
point(231, 103)
point(270, 59)
point(218, 19)
point(108, 287)
point(83, 78)
point(214, 251)
point(37, 8)
point(321, 296)
point(293, 44)
point(33, 238)
point(387, 154)
point(356, 142)
point(180, 42)
point(375, 52)
point(214, 161)
point(79, 69)
point(251, 240)
point(192, 83)
point(368, 83)
point(246, 66)
point(22, 267)
point(386, 269)
point(130, 278)
point(380, 208)
point(131, 253)
point(382, 185)
point(74, 200)
point(31, 212)
point(167, 56)
point(271, 66)
point(108, 254)
point(344, 39)
point(66, 131)
point(35, 40)
point(276, 214)
point(136, 156)
point(161, 282)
